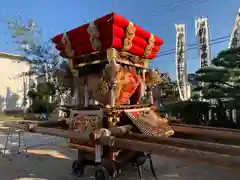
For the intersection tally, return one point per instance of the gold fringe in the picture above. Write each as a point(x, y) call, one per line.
point(148, 49)
point(67, 45)
point(152, 78)
point(130, 34)
point(94, 36)
point(112, 54)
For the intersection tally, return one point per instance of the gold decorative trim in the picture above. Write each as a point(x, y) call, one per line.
point(112, 54)
point(94, 36)
point(145, 62)
point(126, 58)
point(89, 63)
point(110, 71)
point(67, 45)
point(85, 119)
point(70, 63)
point(130, 34)
point(148, 49)
point(152, 78)
point(149, 123)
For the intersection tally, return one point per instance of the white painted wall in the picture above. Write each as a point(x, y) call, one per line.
point(12, 88)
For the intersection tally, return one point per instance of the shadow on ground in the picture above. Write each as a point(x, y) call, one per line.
point(54, 163)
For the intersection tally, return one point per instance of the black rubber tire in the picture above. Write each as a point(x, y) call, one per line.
point(78, 168)
point(101, 173)
point(141, 160)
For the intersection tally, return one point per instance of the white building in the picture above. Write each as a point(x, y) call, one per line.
point(13, 89)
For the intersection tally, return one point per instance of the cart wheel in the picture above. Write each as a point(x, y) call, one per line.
point(78, 168)
point(101, 173)
point(141, 160)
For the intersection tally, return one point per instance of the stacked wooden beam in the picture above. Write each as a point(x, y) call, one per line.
point(121, 137)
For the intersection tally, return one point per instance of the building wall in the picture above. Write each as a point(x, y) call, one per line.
point(13, 88)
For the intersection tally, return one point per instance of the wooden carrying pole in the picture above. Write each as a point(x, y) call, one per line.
point(122, 132)
point(202, 127)
point(81, 137)
point(209, 133)
point(115, 131)
point(171, 151)
point(140, 145)
point(201, 131)
point(185, 143)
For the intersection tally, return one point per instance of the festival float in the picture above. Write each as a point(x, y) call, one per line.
point(114, 121)
point(110, 57)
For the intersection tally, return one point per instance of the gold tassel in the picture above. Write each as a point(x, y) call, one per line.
point(130, 34)
point(67, 45)
point(148, 49)
point(94, 36)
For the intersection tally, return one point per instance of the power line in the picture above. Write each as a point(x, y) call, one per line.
point(191, 45)
point(173, 50)
point(163, 7)
point(213, 42)
point(191, 48)
point(177, 7)
point(174, 6)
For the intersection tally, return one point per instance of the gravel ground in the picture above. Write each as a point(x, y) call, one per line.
point(53, 162)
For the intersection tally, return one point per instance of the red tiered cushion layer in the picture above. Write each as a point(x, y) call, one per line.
point(112, 32)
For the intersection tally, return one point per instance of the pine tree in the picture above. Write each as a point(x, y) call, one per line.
point(220, 83)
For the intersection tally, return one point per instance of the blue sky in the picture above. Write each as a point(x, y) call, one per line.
point(157, 16)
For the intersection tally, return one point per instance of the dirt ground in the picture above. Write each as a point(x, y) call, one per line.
point(53, 162)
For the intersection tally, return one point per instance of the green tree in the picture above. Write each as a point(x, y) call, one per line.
point(41, 54)
point(220, 83)
point(166, 91)
point(44, 58)
point(190, 112)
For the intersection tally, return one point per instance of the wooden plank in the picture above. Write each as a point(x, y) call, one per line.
point(128, 108)
point(100, 57)
point(89, 63)
point(81, 147)
point(176, 152)
point(131, 64)
point(52, 123)
point(115, 131)
point(139, 145)
point(209, 133)
point(191, 144)
point(204, 127)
